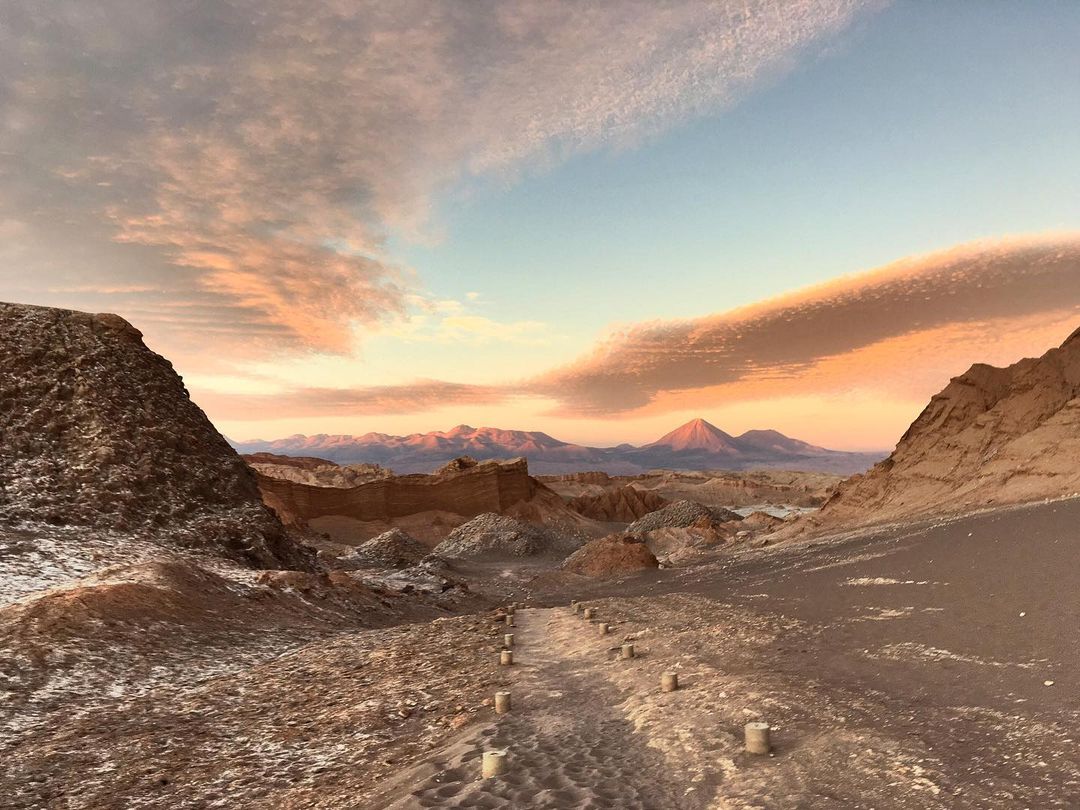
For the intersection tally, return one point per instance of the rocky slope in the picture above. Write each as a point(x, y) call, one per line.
point(614, 555)
point(392, 549)
point(709, 487)
point(617, 504)
point(679, 515)
point(993, 436)
point(499, 537)
point(98, 434)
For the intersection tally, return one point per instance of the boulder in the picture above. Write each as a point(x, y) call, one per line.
point(610, 556)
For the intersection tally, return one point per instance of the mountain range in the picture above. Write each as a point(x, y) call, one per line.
point(697, 445)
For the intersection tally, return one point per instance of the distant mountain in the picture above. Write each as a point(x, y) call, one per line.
point(697, 445)
point(696, 435)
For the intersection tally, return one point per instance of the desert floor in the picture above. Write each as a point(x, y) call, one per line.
point(909, 668)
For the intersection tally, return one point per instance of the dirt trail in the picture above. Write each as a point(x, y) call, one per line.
point(568, 743)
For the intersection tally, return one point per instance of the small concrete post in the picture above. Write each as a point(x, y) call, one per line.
point(506, 658)
point(627, 651)
point(603, 628)
point(587, 614)
point(757, 738)
point(494, 764)
point(509, 619)
point(508, 640)
point(502, 702)
point(669, 682)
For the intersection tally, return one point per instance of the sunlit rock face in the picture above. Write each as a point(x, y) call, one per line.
point(992, 436)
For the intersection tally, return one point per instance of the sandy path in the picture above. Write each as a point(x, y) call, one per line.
point(568, 743)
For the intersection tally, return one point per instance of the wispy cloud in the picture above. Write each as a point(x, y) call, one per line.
point(420, 395)
point(905, 328)
point(253, 156)
point(448, 321)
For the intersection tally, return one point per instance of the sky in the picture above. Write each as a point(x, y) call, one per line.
point(596, 219)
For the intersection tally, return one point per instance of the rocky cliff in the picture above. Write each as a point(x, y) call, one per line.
point(98, 434)
point(993, 436)
point(485, 487)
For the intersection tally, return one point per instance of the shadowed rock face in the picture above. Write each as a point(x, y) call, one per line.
point(618, 504)
point(992, 436)
point(97, 431)
point(469, 491)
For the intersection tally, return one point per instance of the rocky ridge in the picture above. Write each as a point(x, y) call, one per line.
point(993, 436)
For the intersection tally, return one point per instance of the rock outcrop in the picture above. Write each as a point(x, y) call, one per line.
point(495, 537)
point(618, 504)
point(277, 460)
point(308, 471)
point(98, 434)
point(392, 549)
point(679, 515)
point(993, 436)
point(614, 555)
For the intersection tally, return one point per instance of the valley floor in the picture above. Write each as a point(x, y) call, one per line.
point(926, 669)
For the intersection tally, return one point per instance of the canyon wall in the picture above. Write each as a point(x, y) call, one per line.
point(486, 487)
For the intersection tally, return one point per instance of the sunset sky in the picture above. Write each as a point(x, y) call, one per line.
point(596, 219)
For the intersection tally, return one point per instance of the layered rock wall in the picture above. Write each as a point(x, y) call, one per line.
point(486, 487)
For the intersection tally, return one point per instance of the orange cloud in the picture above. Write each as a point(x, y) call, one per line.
point(908, 326)
point(420, 395)
point(892, 335)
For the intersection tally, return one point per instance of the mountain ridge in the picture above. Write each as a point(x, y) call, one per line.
point(993, 436)
point(695, 445)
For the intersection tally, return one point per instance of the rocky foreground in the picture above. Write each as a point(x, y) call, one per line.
point(889, 681)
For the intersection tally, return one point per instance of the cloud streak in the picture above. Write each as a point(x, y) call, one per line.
point(899, 328)
point(898, 332)
point(253, 156)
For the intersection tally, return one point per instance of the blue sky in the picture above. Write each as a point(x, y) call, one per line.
point(924, 126)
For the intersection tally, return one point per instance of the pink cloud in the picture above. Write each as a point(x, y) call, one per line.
point(253, 156)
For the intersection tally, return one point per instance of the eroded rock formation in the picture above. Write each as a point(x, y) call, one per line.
point(993, 436)
point(486, 487)
point(610, 556)
point(98, 434)
point(618, 504)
